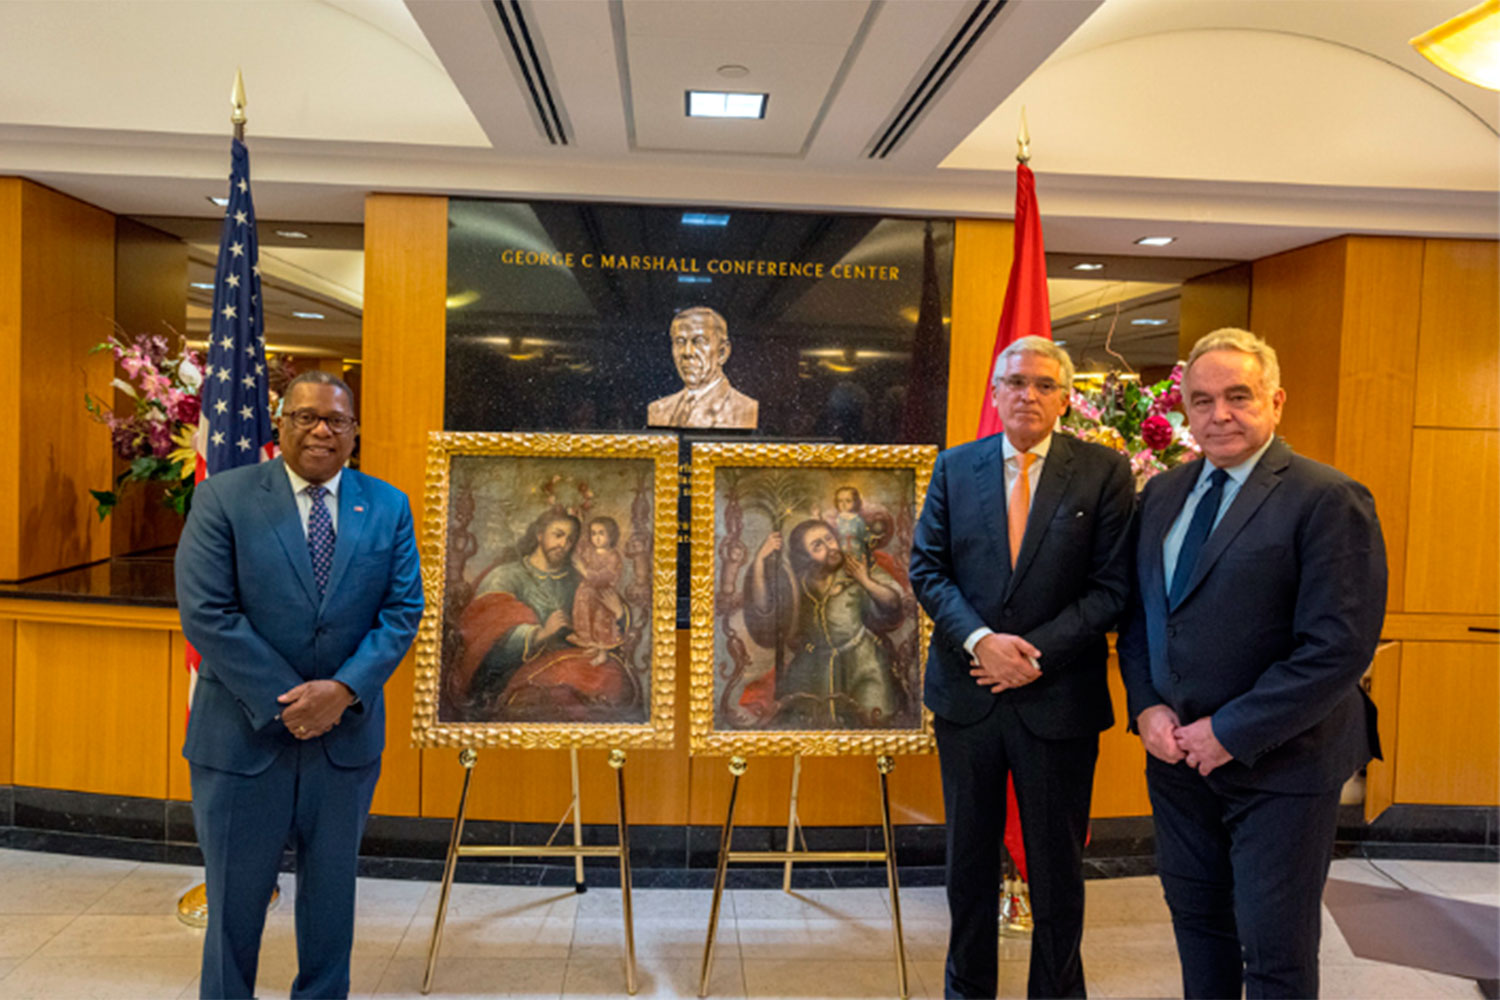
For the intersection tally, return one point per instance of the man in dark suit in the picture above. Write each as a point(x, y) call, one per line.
point(1260, 592)
point(1021, 592)
point(298, 582)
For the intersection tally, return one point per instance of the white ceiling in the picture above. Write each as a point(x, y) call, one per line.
point(1241, 126)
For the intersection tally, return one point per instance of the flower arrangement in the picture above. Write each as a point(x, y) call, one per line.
point(157, 438)
point(1141, 422)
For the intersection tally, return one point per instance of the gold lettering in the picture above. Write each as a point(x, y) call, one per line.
point(895, 274)
point(635, 262)
point(587, 260)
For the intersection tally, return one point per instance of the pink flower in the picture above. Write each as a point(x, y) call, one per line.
point(161, 439)
point(1156, 431)
point(1169, 400)
point(132, 363)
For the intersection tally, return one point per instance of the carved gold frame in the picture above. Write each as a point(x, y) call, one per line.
point(703, 738)
point(657, 731)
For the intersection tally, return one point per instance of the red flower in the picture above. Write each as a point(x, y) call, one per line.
point(186, 411)
point(1156, 431)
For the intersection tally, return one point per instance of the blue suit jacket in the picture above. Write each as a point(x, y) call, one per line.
point(249, 605)
point(1068, 587)
point(1279, 621)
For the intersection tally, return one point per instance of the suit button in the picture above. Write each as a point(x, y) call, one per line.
point(1176, 677)
point(1171, 631)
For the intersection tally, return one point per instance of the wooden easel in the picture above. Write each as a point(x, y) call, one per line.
point(577, 851)
point(884, 764)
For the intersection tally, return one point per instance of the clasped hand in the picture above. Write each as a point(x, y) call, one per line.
point(1002, 661)
point(1166, 739)
point(312, 708)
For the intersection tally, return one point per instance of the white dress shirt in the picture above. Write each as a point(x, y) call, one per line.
point(1171, 546)
point(304, 502)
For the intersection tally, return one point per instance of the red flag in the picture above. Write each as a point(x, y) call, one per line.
point(1026, 312)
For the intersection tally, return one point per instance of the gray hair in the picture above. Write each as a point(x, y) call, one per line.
point(710, 315)
point(1033, 345)
point(1231, 338)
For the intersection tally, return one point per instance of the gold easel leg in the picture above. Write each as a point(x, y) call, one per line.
point(885, 764)
point(617, 761)
point(579, 885)
point(737, 766)
point(466, 757)
point(791, 823)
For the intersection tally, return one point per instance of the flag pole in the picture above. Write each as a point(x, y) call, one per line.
point(237, 105)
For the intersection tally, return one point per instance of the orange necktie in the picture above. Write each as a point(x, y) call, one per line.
point(1019, 506)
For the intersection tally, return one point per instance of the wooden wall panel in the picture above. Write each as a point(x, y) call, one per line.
point(179, 783)
point(67, 306)
point(1449, 741)
point(91, 708)
point(1296, 305)
point(1120, 775)
point(1458, 379)
point(1454, 535)
point(1385, 692)
point(406, 278)
point(982, 252)
point(150, 298)
point(7, 699)
point(1210, 302)
point(10, 377)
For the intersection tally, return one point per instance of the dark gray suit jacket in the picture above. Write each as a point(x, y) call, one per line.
point(1280, 619)
point(1069, 584)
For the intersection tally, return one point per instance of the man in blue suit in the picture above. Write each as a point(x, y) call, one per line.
point(1021, 559)
point(298, 582)
point(1259, 598)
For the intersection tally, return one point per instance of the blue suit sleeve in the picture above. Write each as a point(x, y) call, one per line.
point(932, 573)
point(381, 650)
point(1340, 609)
point(1133, 646)
point(208, 600)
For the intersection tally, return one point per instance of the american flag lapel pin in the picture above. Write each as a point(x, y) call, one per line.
point(358, 509)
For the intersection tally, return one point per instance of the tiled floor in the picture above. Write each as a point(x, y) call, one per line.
point(85, 927)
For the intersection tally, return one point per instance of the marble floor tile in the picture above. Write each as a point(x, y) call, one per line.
point(474, 977)
point(924, 903)
point(1131, 901)
point(651, 904)
point(1374, 981)
point(485, 936)
point(603, 938)
point(834, 941)
point(657, 977)
point(1134, 978)
point(1452, 986)
point(811, 904)
point(103, 977)
point(109, 935)
point(148, 890)
point(812, 978)
point(42, 890)
point(22, 934)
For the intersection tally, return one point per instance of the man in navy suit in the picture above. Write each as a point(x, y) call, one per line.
point(1021, 559)
point(1260, 593)
point(298, 583)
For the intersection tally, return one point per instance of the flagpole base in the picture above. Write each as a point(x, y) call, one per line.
point(192, 908)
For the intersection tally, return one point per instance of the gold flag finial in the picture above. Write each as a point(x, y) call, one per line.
point(237, 104)
point(1023, 140)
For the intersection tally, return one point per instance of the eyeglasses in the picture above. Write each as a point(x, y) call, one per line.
point(1018, 383)
point(306, 420)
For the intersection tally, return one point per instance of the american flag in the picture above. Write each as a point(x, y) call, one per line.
point(234, 427)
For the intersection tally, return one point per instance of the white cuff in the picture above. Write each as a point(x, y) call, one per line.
point(975, 636)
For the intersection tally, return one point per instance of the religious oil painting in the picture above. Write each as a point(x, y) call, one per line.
point(549, 564)
point(806, 636)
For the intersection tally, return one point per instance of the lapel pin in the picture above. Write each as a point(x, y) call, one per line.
point(359, 510)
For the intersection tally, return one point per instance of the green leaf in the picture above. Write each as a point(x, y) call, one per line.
point(106, 501)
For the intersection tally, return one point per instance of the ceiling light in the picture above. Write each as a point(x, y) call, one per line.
point(704, 219)
point(694, 279)
point(725, 104)
point(1088, 266)
point(201, 284)
point(1093, 315)
point(1148, 322)
point(460, 299)
point(291, 234)
point(1155, 241)
point(733, 71)
point(221, 202)
point(303, 315)
point(1467, 46)
point(1061, 343)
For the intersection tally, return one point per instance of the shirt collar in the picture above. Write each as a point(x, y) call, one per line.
point(1040, 449)
point(1239, 473)
point(299, 484)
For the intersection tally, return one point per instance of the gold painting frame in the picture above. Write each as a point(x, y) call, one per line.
point(709, 462)
point(661, 450)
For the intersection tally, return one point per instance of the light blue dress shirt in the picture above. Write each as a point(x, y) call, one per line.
point(1237, 476)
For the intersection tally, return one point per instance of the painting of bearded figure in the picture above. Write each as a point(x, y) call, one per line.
point(811, 633)
point(549, 622)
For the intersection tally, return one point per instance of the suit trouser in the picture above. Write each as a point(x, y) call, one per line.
point(1054, 784)
point(244, 823)
point(1243, 873)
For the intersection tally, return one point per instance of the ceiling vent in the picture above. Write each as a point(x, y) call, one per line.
point(931, 80)
point(529, 58)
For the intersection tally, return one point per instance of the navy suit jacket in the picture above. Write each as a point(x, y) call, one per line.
point(250, 606)
point(1069, 585)
point(1279, 621)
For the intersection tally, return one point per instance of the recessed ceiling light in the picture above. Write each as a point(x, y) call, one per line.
point(1061, 343)
point(201, 284)
point(1155, 241)
point(291, 234)
point(733, 71)
point(704, 219)
point(1093, 315)
point(694, 279)
point(1148, 322)
point(221, 202)
point(1087, 265)
point(303, 315)
point(725, 104)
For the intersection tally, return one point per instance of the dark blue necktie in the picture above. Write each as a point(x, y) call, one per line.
point(320, 536)
point(1198, 531)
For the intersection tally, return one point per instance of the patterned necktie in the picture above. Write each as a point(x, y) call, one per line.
point(1019, 506)
point(1198, 531)
point(320, 536)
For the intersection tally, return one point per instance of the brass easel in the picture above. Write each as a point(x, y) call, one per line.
point(577, 851)
point(884, 764)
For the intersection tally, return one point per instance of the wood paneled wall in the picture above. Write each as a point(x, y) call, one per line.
point(56, 301)
point(1210, 302)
